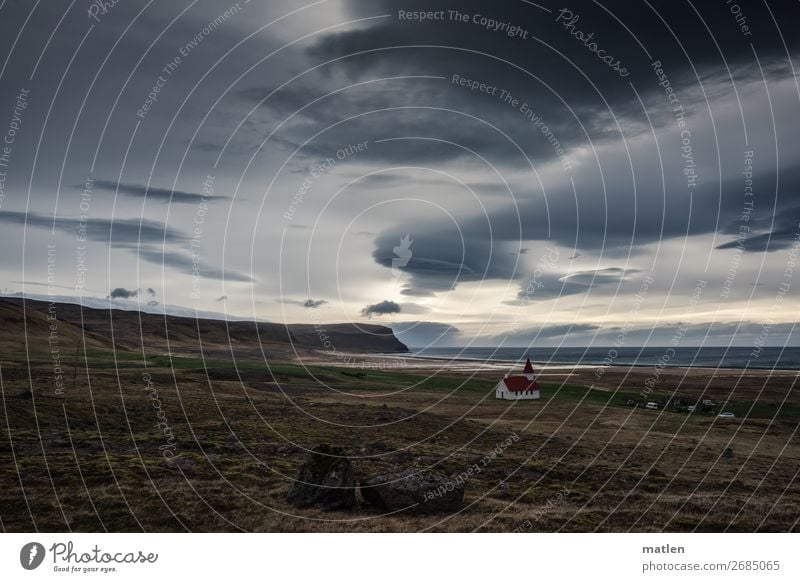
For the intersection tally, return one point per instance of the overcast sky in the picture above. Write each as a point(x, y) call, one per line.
point(501, 172)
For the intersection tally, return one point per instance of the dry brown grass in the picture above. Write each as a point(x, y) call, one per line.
point(89, 461)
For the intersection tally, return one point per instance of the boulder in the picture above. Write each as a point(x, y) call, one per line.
point(325, 480)
point(416, 490)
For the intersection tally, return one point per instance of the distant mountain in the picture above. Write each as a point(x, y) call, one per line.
point(137, 331)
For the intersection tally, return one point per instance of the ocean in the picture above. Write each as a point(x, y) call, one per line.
point(787, 358)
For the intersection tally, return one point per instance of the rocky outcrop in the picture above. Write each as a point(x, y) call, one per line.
point(415, 490)
point(325, 481)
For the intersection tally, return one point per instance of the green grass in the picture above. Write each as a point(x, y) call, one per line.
point(745, 409)
point(366, 379)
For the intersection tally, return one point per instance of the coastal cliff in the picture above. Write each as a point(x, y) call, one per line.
point(66, 325)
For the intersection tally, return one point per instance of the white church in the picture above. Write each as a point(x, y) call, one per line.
point(518, 387)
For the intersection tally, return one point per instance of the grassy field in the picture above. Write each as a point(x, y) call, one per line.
point(93, 458)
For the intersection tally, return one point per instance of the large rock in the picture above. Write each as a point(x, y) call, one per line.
point(325, 480)
point(415, 490)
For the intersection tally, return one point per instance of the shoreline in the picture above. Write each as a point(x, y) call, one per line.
point(414, 361)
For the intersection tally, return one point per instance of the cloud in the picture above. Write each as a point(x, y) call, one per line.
point(118, 232)
point(543, 285)
point(530, 335)
point(186, 263)
point(564, 329)
point(726, 333)
point(122, 293)
point(619, 205)
point(593, 277)
point(307, 303)
point(410, 292)
point(781, 231)
point(133, 234)
point(153, 193)
point(383, 308)
point(740, 334)
point(616, 222)
point(444, 256)
point(576, 95)
point(313, 303)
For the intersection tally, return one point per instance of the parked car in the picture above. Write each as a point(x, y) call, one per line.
point(726, 415)
point(651, 406)
point(690, 408)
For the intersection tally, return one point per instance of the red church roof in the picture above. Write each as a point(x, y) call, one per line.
point(520, 383)
point(528, 367)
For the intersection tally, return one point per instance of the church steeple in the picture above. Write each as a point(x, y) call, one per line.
point(528, 367)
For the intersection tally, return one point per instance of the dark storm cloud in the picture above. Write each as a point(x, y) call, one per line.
point(186, 263)
point(151, 193)
point(443, 257)
point(386, 110)
point(771, 241)
point(590, 221)
point(313, 303)
point(446, 254)
point(541, 285)
point(574, 78)
point(122, 293)
point(702, 31)
point(382, 308)
point(133, 234)
point(778, 233)
point(118, 232)
point(544, 286)
point(613, 209)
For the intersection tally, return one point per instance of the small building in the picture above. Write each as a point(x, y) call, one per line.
point(518, 387)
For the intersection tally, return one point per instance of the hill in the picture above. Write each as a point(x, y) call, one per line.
point(103, 329)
